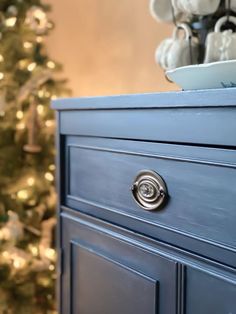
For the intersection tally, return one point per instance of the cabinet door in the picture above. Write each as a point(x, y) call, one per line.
point(105, 273)
point(210, 293)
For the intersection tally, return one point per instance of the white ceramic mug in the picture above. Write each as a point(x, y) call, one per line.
point(198, 7)
point(233, 5)
point(221, 46)
point(162, 10)
point(175, 52)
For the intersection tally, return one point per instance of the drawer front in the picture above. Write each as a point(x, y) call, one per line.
point(105, 274)
point(209, 292)
point(201, 184)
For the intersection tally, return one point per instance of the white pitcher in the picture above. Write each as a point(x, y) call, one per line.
point(198, 7)
point(221, 46)
point(175, 52)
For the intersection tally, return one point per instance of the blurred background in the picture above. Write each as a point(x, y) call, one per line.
point(108, 46)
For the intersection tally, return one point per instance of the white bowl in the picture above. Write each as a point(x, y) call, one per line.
point(220, 74)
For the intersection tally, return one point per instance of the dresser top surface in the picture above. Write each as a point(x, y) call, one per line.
point(185, 99)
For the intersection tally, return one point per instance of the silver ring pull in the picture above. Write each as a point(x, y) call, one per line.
point(149, 190)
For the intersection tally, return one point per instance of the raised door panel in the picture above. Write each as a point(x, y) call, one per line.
point(210, 293)
point(103, 286)
point(104, 274)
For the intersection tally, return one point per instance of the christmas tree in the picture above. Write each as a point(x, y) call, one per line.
point(27, 194)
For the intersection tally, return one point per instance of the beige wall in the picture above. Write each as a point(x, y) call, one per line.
point(107, 46)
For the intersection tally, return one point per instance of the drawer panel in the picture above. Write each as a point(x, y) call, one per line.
point(209, 293)
point(201, 184)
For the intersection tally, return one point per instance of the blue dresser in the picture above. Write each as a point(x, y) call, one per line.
point(147, 203)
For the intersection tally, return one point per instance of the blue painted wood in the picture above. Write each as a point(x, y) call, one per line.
point(104, 275)
point(193, 181)
point(186, 99)
point(201, 126)
point(173, 257)
point(209, 293)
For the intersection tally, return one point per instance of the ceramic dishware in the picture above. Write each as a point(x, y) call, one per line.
point(178, 51)
point(198, 7)
point(220, 45)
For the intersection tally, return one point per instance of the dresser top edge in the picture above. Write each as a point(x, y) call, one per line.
point(180, 99)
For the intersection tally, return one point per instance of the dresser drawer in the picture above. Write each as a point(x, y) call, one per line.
point(199, 212)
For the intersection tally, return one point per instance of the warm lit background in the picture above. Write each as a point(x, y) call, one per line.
point(107, 46)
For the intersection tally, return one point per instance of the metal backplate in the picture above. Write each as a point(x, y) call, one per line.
point(149, 190)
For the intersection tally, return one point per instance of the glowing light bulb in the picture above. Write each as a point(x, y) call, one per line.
point(40, 109)
point(51, 267)
point(33, 249)
point(5, 254)
point(48, 176)
point(53, 97)
point(22, 194)
point(1, 75)
point(23, 64)
point(51, 65)
point(50, 254)
point(39, 14)
point(11, 21)
point(31, 66)
point(39, 39)
point(1, 58)
point(52, 167)
point(19, 263)
point(19, 114)
point(30, 181)
point(41, 93)
point(27, 45)
point(20, 126)
point(49, 123)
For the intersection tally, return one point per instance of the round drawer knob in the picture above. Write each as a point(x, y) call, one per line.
point(149, 190)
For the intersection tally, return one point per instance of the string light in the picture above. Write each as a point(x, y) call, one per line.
point(27, 45)
point(19, 114)
point(1, 58)
point(48, 176)
point(41, 93)
point(51, 267)
point(31, 66)
point(1, 75)
point(40, 109)
point(47, 94)
point(50, 254)
point(30, 181)
point(23, 194)
point(54, 97)
point(33, 249)
point(39, 14)
point(20, 126)
point(49, 123)
point(5, 254)
point(52, 167)
point(23, 64)
point(51, 65)
point(19, 262)
point(11, 21)
point(39, 39)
